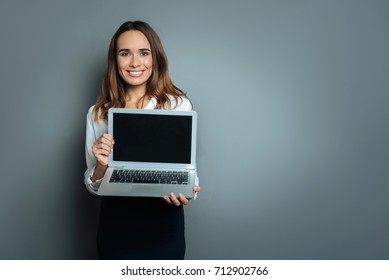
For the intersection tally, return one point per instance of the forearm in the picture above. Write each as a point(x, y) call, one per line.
point(99, 172)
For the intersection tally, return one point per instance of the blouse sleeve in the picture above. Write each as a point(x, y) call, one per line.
point(90, 158)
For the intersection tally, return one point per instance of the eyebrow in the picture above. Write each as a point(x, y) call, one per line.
point(127, 50)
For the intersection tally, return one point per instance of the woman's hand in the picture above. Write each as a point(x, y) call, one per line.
point(180, 199)
point(102, 147)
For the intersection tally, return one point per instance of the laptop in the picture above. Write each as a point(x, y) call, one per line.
point(154, 153)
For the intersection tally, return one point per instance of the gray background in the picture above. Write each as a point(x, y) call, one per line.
point(293, 102)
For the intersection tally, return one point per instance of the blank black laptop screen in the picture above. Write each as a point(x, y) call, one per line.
point(152, 138)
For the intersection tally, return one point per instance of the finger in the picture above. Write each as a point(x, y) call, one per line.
point(196, 188)
point(102, 152)
point(104, 146)
point(101, 149)
point(183, 199)
point(108, 137)
point(101, 156)
point(174, 200)
point(167, 199)
point(104, 141)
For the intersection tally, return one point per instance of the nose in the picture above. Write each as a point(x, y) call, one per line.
point(134, 61)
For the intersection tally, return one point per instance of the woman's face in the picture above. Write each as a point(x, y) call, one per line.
point(134, 58)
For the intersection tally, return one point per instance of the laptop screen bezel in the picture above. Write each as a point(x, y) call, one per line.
point(149, 165)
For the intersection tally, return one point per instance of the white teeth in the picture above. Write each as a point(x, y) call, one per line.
point(135, 73)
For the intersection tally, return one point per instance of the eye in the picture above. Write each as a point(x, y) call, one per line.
point(124, 53)
point(145, 53)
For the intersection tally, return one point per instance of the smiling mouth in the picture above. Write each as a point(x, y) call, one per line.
point(135, 73)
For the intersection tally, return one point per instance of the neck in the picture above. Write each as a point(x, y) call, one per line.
point(135, 97)
point(135, 93)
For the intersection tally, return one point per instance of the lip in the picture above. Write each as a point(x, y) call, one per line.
point(135, 73)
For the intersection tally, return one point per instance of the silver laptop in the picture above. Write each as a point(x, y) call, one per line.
point(154, 153)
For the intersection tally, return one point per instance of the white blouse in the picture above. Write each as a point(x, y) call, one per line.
point(94, 129)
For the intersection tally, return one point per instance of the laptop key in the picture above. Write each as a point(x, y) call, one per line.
point(145, 181)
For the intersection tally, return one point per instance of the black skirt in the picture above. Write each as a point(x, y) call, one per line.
point(133, 228)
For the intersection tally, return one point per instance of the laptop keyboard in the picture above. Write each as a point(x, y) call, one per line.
point(149, 177)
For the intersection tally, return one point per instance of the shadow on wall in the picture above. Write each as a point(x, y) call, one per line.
point(84, 206)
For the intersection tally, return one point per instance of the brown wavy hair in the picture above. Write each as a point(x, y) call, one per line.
point(159, 85)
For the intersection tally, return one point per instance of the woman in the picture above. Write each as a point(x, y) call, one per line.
point(137, 76)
